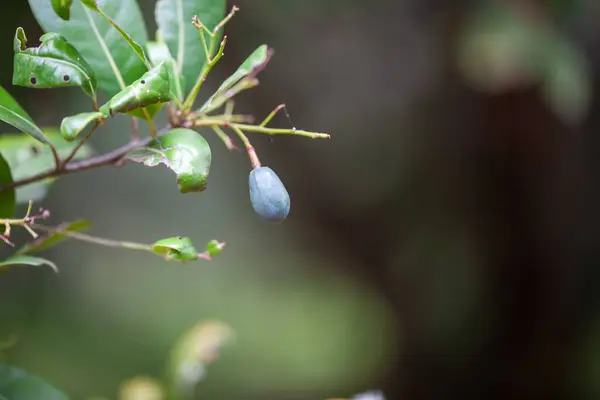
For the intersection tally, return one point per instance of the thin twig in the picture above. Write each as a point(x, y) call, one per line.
point(94, 239)
point(189, 101)
point(55, 156)
point(272, 114)
point(225, 138)
point(282, 131)
point(254, 161)
point(79, 145)
point(135, 129)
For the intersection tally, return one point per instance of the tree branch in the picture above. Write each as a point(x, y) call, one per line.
point(111, 158)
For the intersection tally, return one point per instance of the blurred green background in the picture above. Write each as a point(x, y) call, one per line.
point(443, 245)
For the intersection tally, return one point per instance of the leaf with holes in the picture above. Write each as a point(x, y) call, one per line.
point(16, 384)
point(151, 88)
point(7, 197)
point(55, 63)
point(174, 19)
point(12, 113)
point(182, 150)
point(255, 63)
point(115, 65)
point(62, 8)
point(27, 157)
point(25, 260)
point(159, 52)
point(175, 249)
point(46, 241)
point(72, 126)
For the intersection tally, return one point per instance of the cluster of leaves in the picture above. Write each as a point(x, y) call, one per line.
point(103, 49)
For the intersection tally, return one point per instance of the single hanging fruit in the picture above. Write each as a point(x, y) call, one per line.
point(268, 195)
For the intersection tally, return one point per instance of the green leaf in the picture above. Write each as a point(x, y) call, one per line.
point(214, 247)
point(152, 110)
point(110, 56)
point(255, 63)
point(159, 52)
point(174, 19)
point(16, 384)
point(55, 63)
point(27, 157)
point(62, 8)
point(136, 47)
point(151, 88)
point(52, 239)
point(75, 124)
point(175, 249)
point(12, 113)
point(25, 260)
point(7, 198)
point(182, 150)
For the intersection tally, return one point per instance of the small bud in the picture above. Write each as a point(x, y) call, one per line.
point(268, 195)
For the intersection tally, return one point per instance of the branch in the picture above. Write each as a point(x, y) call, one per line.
point(94, 239)
point(111, 158)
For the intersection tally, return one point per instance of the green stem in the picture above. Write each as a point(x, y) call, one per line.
point(94, 239)
point(150, 122)
point(210, 63)
point(272, 114)
point(224, 137)
point(254, 161)
point(227, 95)
point(79, 145)
point(280, 131)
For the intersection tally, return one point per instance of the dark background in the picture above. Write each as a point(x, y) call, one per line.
point(443, 245)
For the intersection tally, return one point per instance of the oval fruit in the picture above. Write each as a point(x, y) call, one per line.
point(268, 196)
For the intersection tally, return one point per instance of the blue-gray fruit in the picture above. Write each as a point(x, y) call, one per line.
point(268, 196)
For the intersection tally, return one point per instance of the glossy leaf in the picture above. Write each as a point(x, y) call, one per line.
point(135, 46)
point(151, 88)
point(268, 195)
point(55, 63)
point(12, 113)
point(7, 198)
point(214, 247)
point(174, 19)
point(62, 8)
point(27, 157)
point(101, 46)
point(52, 239)
point(182, 150)
point(26, 260)
point(159, 52)
point(175, 249)
point(152, 110)
point(16, 384)
point(255, 63)
point(75, 124)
